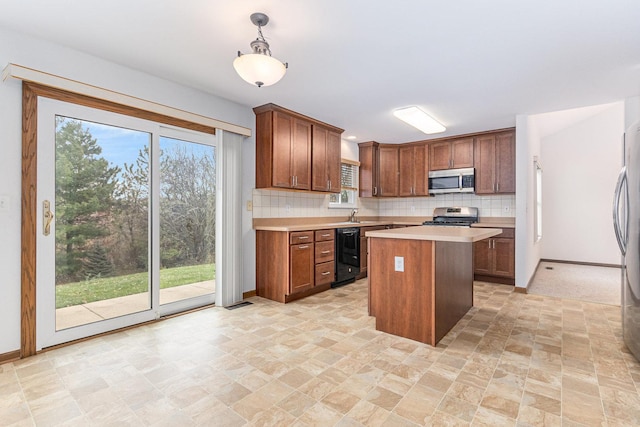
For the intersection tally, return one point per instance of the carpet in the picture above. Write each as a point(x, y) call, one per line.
point(579, 282)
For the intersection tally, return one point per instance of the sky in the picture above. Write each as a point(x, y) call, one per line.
point(121, 145)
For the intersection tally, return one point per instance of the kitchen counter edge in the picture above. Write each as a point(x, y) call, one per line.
point(437, 233)
point(484, 223)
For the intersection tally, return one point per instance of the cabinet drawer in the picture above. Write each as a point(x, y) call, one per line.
point(298, 237)
point(324, 251)
point(322, 235)
point(325, 273)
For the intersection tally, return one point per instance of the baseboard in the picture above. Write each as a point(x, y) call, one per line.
point(519, 290)
point(494, 279)
point(594, 264)
point(535, 271)
point(248, 294)
point(9, 357)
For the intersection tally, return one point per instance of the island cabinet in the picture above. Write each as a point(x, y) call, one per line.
point(292, 265)
point(325, 159)
point(494, 258)
point(413, 170)
point(421, 279)
point(368, 170)
point(284, 150)
point(495, 159)
point(451, 154)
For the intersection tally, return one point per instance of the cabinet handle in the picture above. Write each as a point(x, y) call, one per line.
point(497, 187)
point(303, 247)
point(325, 252)
point(329, 184)
point(326, 235)
point(303, 237)
point(375, 191)
point(326, 273)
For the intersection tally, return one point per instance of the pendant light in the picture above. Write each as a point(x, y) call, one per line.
point(259, 67)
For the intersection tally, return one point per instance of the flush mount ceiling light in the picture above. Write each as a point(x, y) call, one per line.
point(419, 120)
point(259, 67)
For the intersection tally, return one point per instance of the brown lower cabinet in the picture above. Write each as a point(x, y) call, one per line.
point(364, 248)
point(494, 258)
point(293, 265)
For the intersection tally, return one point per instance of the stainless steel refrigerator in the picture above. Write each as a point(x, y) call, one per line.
point(626, 224)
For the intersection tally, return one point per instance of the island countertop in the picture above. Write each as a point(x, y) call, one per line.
point(437, 233)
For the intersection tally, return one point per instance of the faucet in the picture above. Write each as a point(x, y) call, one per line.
point(352, 217)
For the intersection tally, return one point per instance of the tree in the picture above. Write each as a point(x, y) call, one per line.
point(84, 196)
point(187, 205)
point(132, 206)
point(97, 263)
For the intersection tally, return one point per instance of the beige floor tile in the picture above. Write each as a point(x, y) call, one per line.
point(514, 359)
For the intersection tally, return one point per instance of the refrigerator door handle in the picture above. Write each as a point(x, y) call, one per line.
point(622, 240)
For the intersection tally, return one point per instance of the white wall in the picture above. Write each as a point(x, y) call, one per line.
point(58, 60)
point(527, 251)
point(580, 167)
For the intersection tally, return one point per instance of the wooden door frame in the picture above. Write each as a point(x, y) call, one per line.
point(29, 203)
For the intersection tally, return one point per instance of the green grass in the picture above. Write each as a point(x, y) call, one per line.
point(112, 287)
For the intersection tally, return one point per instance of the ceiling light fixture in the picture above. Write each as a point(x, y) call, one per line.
point(419, 120)
point(259, 67)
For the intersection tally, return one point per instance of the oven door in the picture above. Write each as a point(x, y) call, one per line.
point(452, 181)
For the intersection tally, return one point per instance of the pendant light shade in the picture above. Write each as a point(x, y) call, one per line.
point(259, 67)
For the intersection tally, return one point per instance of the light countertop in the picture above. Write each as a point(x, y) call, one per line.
point(437, 233)
point(304, 224)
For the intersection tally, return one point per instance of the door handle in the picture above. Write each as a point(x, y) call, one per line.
point(622, 240)
point(47, 217)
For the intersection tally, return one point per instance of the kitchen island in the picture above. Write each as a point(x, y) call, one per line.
point(421, 279)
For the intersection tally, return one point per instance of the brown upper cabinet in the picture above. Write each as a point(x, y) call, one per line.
point(495, 158)
point(414, 171)
point(451, 154)
point(368, 155)
point(325, 163)
point(284, 150)
point(388, 170)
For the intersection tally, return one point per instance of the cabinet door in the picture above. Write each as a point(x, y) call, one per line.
point(505, 163)
point(462, 153)
point(421, 170)
point(388, 171)
point(301, 154)
point(301, 267)
point(282, 175)
point(504, 257)
point(368, 171)
point(363, 255)
point(482, 253)
point(439, 156)
point(334, 156)
point(485, 155)
point(406, 178)
point(319, 178)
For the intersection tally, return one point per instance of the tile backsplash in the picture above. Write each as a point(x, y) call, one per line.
point(288, 204)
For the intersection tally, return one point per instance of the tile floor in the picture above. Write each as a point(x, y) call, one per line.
point(514, 359)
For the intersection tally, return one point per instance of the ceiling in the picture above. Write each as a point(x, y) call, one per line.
point(473, 65)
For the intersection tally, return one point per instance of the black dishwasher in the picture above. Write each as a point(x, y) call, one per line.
point(347, 256)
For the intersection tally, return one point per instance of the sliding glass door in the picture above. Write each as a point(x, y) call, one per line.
point(127, 221)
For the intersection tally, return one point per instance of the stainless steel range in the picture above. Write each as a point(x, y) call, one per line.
point(455, 216)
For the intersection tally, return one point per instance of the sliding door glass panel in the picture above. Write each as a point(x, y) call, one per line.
point(187, 219)
point(101, 222)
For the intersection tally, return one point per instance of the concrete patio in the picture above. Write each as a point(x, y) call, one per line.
point(76, 315)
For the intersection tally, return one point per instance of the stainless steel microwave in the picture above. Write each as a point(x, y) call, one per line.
point(452, 181)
